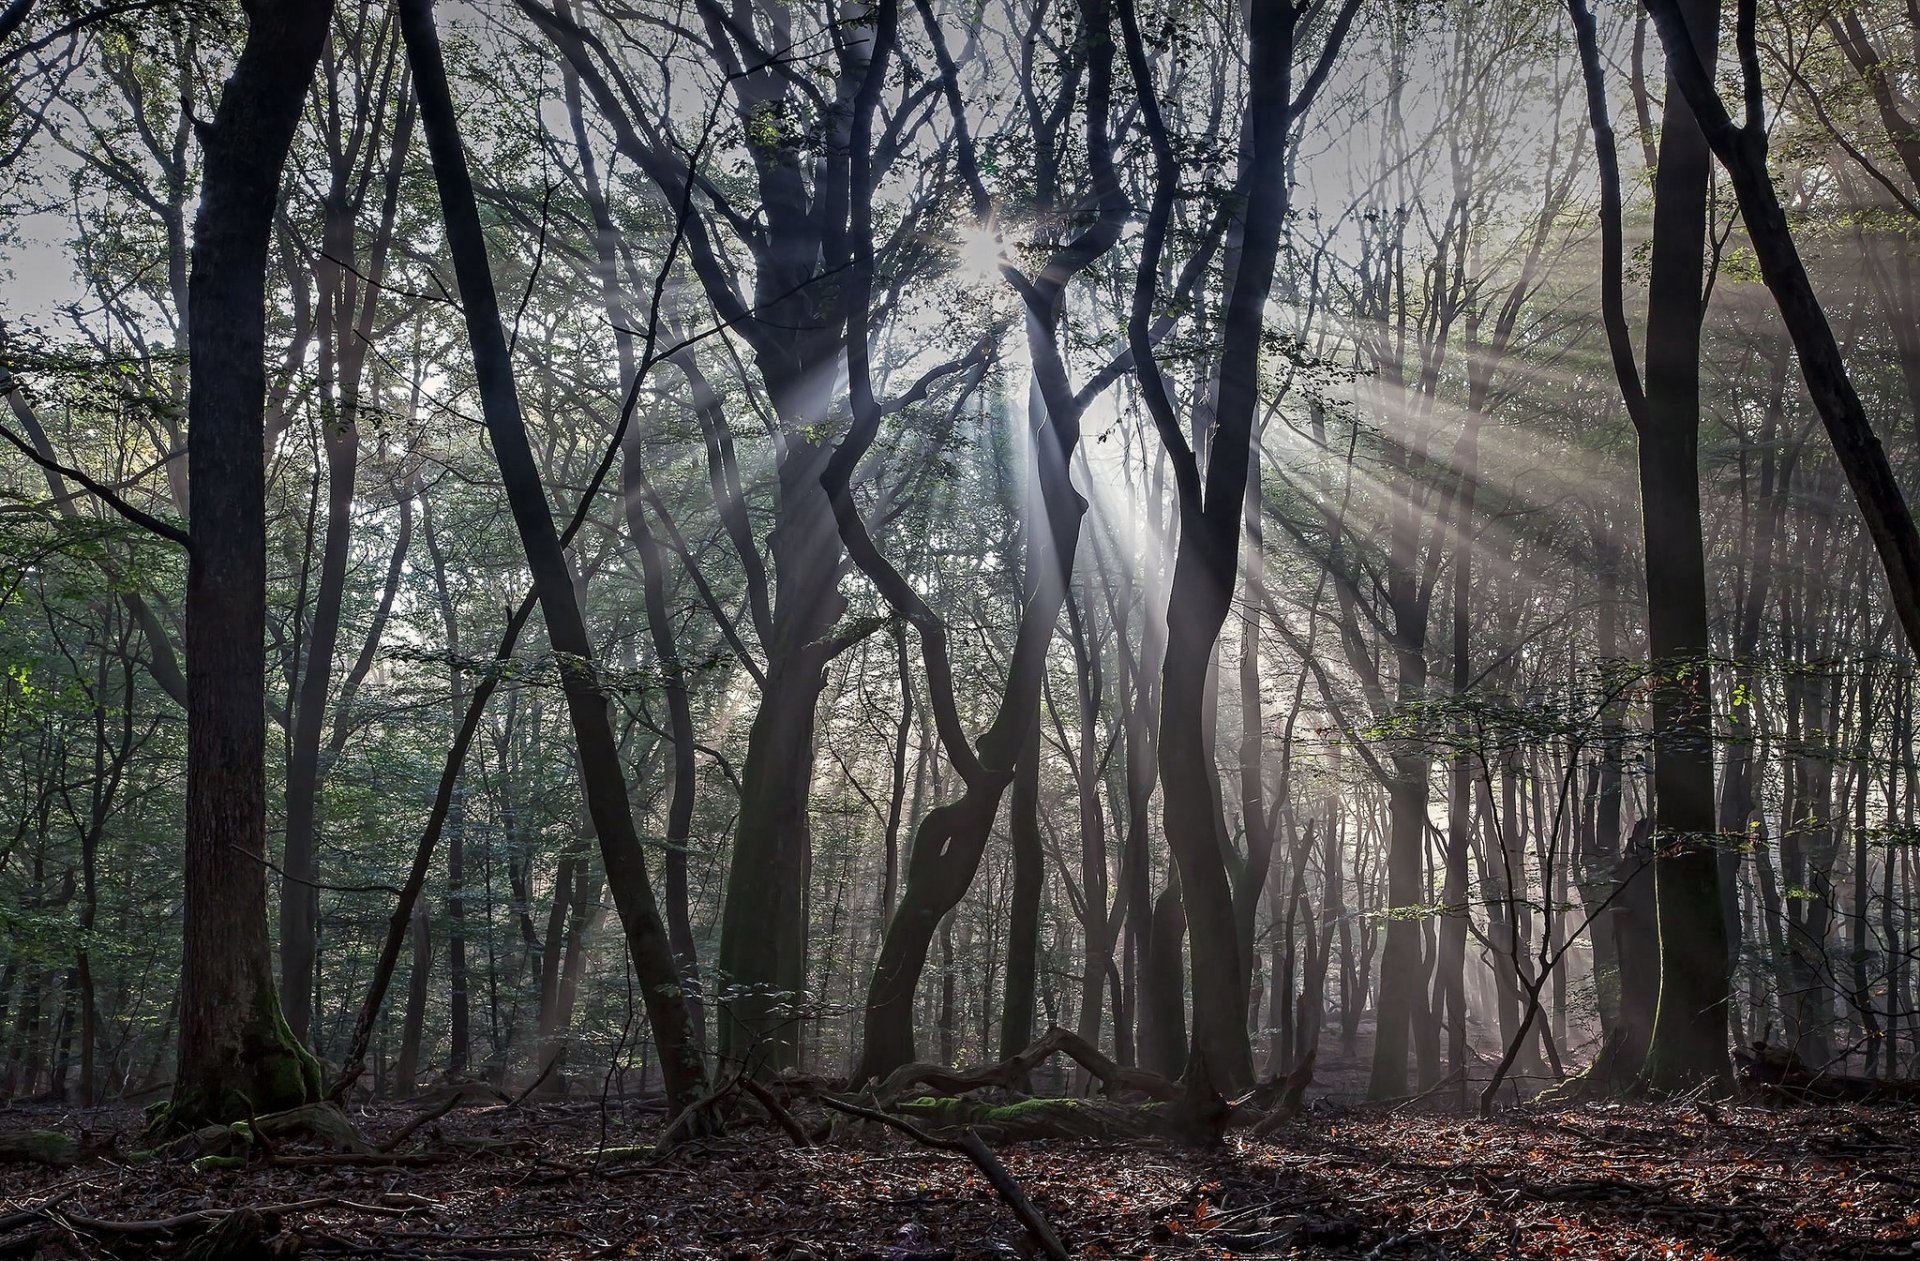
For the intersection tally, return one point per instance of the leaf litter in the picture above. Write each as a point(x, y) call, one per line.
point(1627, 1181)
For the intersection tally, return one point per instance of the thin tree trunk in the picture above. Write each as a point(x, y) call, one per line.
point(599, 758)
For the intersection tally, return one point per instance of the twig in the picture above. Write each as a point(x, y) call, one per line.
point(970, 1146)
point(553, 1062)
point(406, 1131)
point(1456, 1077)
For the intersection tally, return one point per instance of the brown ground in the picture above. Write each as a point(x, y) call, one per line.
point(1593, 1181)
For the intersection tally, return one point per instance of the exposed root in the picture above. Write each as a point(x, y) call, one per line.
point(912, 1079)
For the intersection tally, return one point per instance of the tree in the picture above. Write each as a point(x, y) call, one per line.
point(601, 776)
point(236, 1054)
point(1207, 560)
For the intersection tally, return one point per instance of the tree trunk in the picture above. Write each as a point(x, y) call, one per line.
point(1206, 564)
point(1689, 1038)
point(599, 757)
point(236, 1054)
point(1023, 927)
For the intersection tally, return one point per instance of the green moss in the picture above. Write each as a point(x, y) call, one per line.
point(286, 1074)
point(39, 1147)
point(1030, 1119)
point(269, 1071)
point(943, 1111)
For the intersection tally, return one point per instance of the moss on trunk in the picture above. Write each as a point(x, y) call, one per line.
point(265, 1070)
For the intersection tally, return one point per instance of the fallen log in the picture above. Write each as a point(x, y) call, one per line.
point(1035, 1120)
point(933, 1096)
point(38, 1147)
point(1779, 1073)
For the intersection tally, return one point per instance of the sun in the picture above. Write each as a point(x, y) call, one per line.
point(978, 252)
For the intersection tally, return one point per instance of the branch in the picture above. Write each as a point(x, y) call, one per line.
point(970, 1146)
point(145, 520)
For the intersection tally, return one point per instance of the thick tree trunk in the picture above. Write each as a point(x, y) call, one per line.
point(763, 925)
point(236, 1054)
point(1163, 987)
point(1689, 1039)
point(414, 1017)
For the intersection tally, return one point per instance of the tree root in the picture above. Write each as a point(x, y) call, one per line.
point(1114, 1079)
point(324, 1123)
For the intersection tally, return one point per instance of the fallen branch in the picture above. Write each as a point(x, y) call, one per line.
point(406, 1131)
point(1778, 1071)
point(200, 1219)
point(336, 1160)
point(778, 1111)
point(968, 1144)
point(1011, 1073)
point(13, 1221)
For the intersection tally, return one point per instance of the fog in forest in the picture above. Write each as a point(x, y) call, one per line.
point(601, 586)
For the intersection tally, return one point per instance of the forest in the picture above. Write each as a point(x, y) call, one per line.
point(901, 629)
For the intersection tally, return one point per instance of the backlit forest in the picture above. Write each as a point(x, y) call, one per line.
point(653, 588)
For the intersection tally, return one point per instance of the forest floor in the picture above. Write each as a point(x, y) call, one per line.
point(540, 1181)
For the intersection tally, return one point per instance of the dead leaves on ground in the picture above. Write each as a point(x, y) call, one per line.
point(1601, 1181)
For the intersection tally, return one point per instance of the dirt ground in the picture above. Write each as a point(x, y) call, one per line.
point(539, 1181)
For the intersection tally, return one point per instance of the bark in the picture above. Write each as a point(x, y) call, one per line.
point(1023, 927)
point(1163, 1010)
point(1689, 1038)
point(235, 1052)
